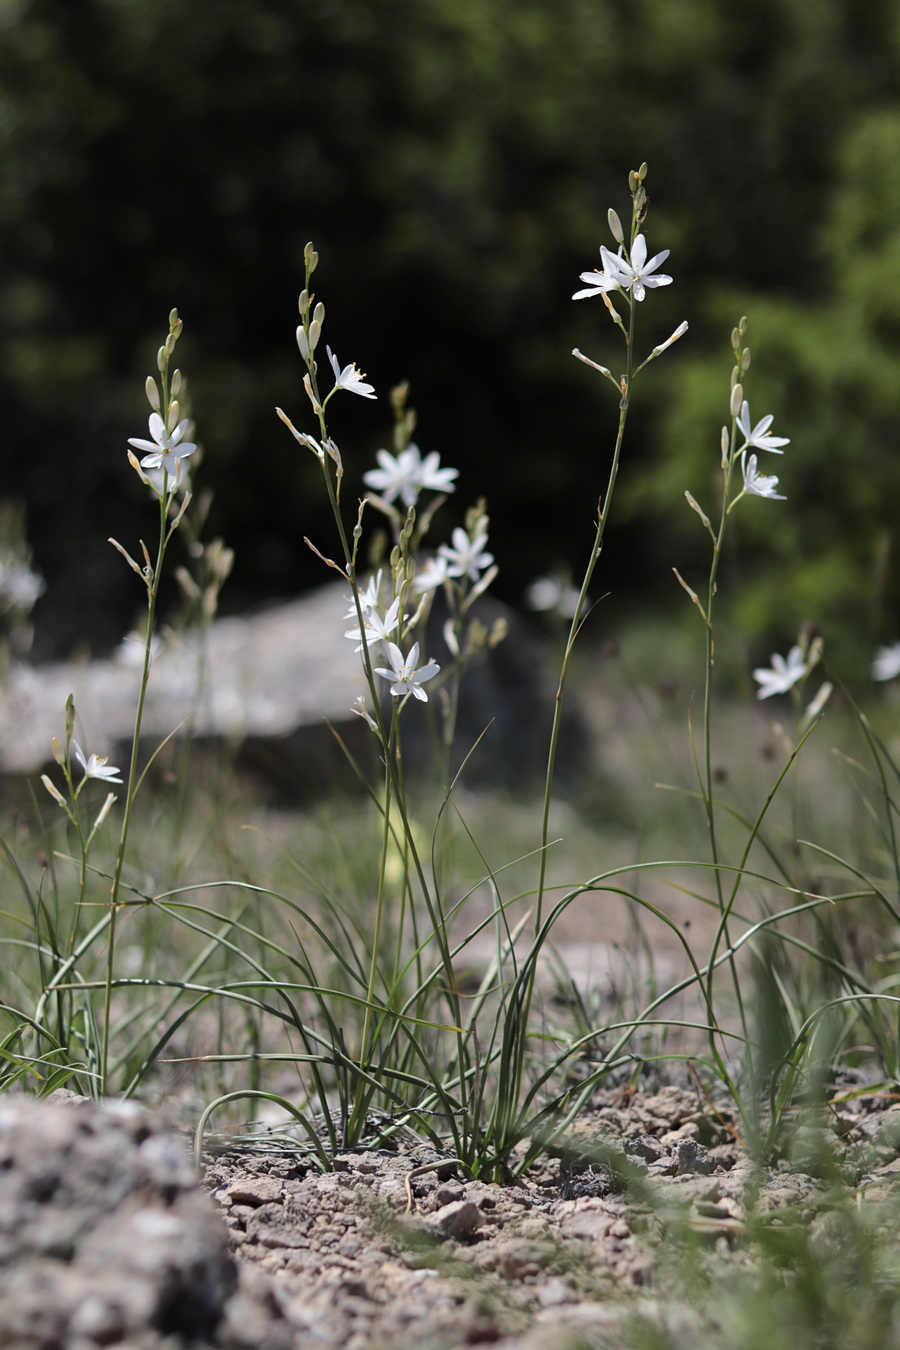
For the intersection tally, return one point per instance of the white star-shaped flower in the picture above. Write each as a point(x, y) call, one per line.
point(783, 675)
point(369, 598)
point(376, 629)
point(166, 448)
point(433, 574)
point(465, 557)
point(599, 280)
point(350, 378)
point(886, 665)
point(96, 766)
point(634, 273)
point(758, 436)
point(406, 674)
point(759, 484)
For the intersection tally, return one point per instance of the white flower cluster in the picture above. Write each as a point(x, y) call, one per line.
point(758, 484)
point(625, 271)
point(405, 476)
point(405, 673)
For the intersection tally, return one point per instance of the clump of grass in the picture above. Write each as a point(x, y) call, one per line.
point(393, 986)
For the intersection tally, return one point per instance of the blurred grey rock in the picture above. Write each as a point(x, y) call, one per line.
point(270, 686)
point(105, 1236)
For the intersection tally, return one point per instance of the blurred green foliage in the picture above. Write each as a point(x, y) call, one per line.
point(453, 161)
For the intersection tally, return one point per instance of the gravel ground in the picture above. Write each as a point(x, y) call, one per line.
point(107, 1239)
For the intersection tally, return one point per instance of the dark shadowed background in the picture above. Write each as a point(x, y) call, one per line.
point(453, 160)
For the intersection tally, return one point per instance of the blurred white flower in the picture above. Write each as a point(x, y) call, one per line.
point(407, 474)
point(549, 593)
point(179, 478)
point(886, 665)
point(96, 766)
point(376, 629)
point(406, 674)
point(133, 648)
point(20, 585)
point(759, 484)
point(433, 477)
point(465, 557)
point(783, 675)
point(166, 448)
point(758, 436)
point(634, 273)
point(350, 378)
point(433, 574)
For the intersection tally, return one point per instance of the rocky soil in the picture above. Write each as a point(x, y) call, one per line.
point(107, 1239)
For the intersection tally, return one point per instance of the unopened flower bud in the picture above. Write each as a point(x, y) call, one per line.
point(302, 342)
point(745, 360)
point(173, 318)
point(104, 810)
point(315, 332)
point(633, 181)
point(737, 398)
point(726, 446)
point(615, 226)
point(642, 172)
point(735, 339)
point(54, 792)
point(303, 303)
point(152, 392)
point(58, 752)
point(177, 384)
point(170, 344)
point(679, 332)
point(742, 326)
point(172, 419)
point(162, 358)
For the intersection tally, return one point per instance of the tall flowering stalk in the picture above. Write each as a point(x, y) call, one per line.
point(626, 276)
point(740, 479)
point(163, 470)
point(379, 632)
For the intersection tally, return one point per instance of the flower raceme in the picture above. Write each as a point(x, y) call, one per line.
point(406, 674)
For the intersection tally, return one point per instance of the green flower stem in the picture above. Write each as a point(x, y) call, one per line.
point(152, 593)
point(574, 629)
point(396, 795)
point(706, 781)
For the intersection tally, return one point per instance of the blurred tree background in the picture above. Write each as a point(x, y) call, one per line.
point(453, 160)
